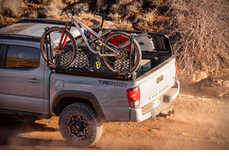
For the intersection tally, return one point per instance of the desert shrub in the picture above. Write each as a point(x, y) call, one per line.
point(12, 8)
point(55, 7)
point(200, 34)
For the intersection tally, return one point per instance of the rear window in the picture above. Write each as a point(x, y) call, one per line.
point(22, 57)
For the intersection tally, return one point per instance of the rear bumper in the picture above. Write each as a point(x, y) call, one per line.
point(150, 110)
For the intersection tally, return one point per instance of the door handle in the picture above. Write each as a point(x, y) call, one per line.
point(34, 80)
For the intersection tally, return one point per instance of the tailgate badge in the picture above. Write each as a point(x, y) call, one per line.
point(159, 79)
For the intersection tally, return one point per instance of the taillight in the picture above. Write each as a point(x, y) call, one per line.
point(133, 95)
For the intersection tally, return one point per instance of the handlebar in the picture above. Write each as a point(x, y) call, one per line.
point(75, 11)
point(69, 6)
point(70, 9)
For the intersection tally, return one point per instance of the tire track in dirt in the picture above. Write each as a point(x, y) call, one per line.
point(199, 123)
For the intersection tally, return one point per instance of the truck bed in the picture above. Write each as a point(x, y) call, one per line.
point(150, 60)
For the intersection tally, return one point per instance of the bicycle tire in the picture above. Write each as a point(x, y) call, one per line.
point(137, 53)
point(71, 43)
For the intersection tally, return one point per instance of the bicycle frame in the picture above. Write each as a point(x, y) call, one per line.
point(78, 24)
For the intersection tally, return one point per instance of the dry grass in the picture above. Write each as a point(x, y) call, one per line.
point(203, 30)
point(54, 8)
point(12, 8)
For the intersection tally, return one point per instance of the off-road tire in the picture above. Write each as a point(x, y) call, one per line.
point(93, 127)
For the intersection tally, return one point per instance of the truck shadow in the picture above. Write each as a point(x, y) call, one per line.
point(11, 128)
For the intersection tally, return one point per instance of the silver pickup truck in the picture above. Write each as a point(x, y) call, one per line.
point(83, 101)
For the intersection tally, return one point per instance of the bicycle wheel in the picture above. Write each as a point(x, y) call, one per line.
point(58, 41)
point(128, 60)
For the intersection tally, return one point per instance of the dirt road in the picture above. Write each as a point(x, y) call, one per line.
point(200, 122)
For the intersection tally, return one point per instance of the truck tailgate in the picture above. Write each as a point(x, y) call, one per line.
point(157, 81)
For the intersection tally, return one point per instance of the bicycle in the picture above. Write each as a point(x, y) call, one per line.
point(113, 47)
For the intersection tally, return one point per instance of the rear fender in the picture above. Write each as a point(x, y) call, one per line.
point(78, 95)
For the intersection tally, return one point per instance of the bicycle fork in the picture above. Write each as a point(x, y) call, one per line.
point(63, 36)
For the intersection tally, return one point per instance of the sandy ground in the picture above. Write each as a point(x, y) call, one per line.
point(199, 122)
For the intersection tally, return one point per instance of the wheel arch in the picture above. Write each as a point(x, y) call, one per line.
point(67, 97)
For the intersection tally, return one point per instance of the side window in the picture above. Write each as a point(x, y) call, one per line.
point(22, 57)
